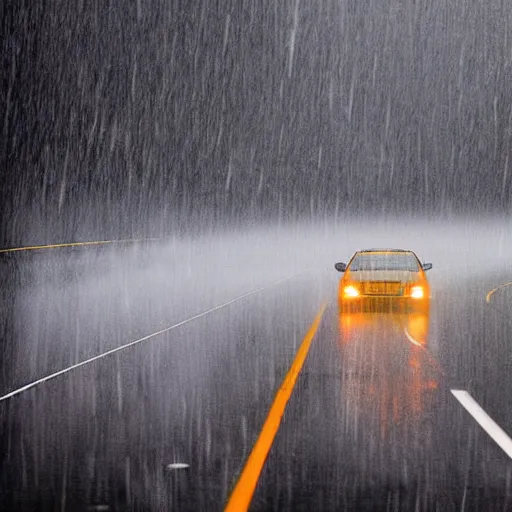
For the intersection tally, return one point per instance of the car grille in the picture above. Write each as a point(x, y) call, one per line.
point(382, 288)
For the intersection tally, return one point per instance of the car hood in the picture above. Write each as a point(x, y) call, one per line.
point(384, 275)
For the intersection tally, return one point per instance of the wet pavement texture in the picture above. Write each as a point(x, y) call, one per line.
point(371, 424)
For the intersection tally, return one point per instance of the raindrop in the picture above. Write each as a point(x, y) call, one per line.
point(177, 465)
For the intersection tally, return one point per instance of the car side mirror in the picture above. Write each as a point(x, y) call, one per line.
point(340, 267)
point(426, 266)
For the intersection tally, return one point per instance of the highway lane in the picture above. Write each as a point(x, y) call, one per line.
point(373, 424)
point(67, 305)
point(371, 421)
point(103, 434)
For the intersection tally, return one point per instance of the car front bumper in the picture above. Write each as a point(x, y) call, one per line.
point(383, 304)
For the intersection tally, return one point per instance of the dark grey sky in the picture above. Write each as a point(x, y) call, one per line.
point(123, 117)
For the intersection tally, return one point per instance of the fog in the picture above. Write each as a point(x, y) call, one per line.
point(103, 299)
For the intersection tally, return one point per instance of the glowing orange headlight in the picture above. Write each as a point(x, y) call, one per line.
point(350, 291)
point(417, 292)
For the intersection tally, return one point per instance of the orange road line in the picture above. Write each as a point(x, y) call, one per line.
point(74, 244)
point(241, 496)
point(491, 293)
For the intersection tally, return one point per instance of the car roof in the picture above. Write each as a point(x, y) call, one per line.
point(385, 250)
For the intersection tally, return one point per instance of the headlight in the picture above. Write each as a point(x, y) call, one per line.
point(350, 291)
point(417, 292)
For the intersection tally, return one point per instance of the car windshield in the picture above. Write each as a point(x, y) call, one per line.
point(384, 261)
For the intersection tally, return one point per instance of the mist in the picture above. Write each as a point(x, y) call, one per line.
point(126, 293)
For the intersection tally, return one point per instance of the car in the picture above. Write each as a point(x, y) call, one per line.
point(384, 279)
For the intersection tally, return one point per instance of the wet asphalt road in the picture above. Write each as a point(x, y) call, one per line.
point(371, 424)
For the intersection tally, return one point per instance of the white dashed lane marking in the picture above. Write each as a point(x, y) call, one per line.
point(484, 420)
